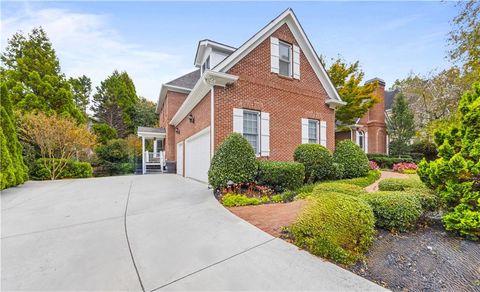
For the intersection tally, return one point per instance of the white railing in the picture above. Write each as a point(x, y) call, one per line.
point(155, 158)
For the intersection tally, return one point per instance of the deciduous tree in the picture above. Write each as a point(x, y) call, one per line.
point(145, 113)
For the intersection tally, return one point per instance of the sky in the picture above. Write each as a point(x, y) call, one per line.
point(156, 42)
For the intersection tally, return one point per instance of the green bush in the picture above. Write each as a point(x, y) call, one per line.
point(114, 158)
point(385, 161)
point(337, 171)
point(289, 196)
point(233, 161)
point(352, 158)
point(372, 176)
point(338, 187)
point(399, 184)
point(316, 159)
point(455, 175)
point(72, 169)
point(395, 211)
point(277, 198)
point(234, 200)
point(428, 198)
point(281, 175)
point(104, 132)
point(426, 149)
point(335, 226)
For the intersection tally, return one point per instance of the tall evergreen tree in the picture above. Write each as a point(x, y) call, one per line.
point(13, 170)
point(33, 77)
point(81, 89)
point(401, 127)
point(114, 103)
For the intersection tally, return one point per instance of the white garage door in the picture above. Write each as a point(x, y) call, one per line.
point(180, 158)
point(197, 156)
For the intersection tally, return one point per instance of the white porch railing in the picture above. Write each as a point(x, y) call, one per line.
point(152, 158)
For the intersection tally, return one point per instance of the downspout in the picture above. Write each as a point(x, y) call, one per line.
point(212, 121)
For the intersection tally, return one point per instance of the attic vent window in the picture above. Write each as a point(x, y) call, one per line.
point(285, 59)
point(206, 65)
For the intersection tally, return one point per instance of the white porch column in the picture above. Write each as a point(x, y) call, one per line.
point(143, 155)
point(155, 152)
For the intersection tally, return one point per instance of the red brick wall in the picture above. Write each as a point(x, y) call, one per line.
point(344, 135)
point(201, 114)
point(172, 103)
point(287, 100)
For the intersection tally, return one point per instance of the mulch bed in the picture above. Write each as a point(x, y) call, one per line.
point(270, 217)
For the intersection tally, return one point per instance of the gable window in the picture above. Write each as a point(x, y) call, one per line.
point(285, 59)
point(251, 127)
point(312, 131)
point(361, 139)
point(206, 65)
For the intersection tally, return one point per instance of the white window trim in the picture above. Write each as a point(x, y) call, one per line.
point(290, 61)
point(258, 150)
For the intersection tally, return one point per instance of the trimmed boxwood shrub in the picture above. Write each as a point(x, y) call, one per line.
point(394, 211)
point(428, 198)
point(372, 176)
point(385, 161)
point(338, 187)
point(281, 175)
point(335, 226)
point(352, 158)
point(399, 184)
point(316, 159)
point(73, 169)
point(233, 161)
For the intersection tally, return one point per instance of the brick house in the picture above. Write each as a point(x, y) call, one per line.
point(272, 89)
point(370, 131)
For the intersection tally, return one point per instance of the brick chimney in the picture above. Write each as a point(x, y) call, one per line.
point(374, 120)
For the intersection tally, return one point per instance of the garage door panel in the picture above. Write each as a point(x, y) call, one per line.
point(197, 156)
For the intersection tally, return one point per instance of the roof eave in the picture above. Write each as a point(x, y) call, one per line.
point(334, 103)
point(163, 93)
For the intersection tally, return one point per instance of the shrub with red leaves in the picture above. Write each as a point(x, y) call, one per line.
point(405, 167)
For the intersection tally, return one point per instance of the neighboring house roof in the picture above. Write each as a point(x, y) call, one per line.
point(388, 101)
point(288, 17)
point(187, 81)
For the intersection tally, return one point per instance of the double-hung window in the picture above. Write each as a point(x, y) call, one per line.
point(285, 59)
point(251, 129)
point(312, 131)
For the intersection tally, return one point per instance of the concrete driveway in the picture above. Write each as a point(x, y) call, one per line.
point(152, 232)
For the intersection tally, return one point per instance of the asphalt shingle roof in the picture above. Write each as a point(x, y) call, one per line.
point(187, 81)
point(389, 95)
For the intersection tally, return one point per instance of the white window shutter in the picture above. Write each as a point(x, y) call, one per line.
point(274, 55)
point(357, 138)
point(296, 62)
point(238, 120)
point(366, 142)
point(323, 133)
point(304, 131)
point(265, 134)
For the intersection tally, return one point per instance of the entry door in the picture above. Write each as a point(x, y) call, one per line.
point(197, 156)
point(180, 158)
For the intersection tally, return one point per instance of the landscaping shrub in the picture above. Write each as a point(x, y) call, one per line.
point(338, 187)
point(385, 161)
point(335, 226)
point(337, 171)
point(428, 198)
point(234, 200)
point(352, 158)
point(405, 167)
point(424, 149)
point(72, 169)
point(316, 159)
point(233, 161)
point(114, 157)
point(104, 132)
point(394, 211)
point(277, 198)
point(373, 165)
point(281, 175)
point(372, 176)
point(399, 184)
point(289, 196)
point(455, 175)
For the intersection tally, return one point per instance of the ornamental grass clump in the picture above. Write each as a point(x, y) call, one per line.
point(335, 226)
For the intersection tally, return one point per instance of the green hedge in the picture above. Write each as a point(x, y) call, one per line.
point(385, 161)
point(281, 175)
point(317, 160)
point(338, 187)
point(352, 158)
point(234, 200)
point(233, 161)
point(370, 178)
point(399, 184)
point(428, 198)
point(395, 211)
point(73, 169)
point(335, 226)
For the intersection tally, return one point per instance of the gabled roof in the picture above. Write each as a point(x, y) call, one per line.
point(389, 96)
point(204, 44)
point(291, 20)
point(186, 81)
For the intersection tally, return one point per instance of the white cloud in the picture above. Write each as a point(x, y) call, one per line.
point(87, 44)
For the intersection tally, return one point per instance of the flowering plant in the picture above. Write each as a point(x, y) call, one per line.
point(404, 167)
point(373, 165)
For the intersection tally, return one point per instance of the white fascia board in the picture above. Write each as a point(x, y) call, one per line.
point(163, 93)
point(289, 18)
point(334, 103)
point(151, 135)
point(203, 45)
point(203, 86)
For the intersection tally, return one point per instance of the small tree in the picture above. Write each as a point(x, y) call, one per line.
point(56, 137)
point(104, 133)
point(233, 161)
point(81, 89)
point(401, 127)
point(455, 175)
